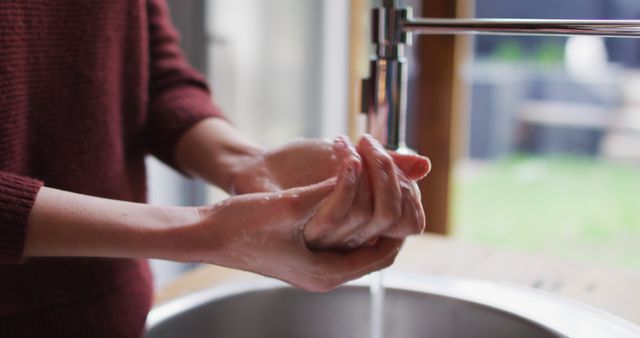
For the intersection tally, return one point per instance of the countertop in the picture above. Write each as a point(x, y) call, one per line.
point(615, 290)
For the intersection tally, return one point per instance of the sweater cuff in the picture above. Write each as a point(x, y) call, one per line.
point(17, 197)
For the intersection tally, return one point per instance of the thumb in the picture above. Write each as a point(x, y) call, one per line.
point(302, 199)
point(415, 167)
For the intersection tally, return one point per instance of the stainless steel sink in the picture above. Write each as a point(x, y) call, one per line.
point(415, 307)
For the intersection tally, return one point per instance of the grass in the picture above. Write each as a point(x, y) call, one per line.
point(573, 207)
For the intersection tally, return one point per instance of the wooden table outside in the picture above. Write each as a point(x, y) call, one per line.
point(612, 289)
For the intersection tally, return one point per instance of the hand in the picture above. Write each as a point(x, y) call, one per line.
point(263, 233)
point(310, 161)
point(373, 199)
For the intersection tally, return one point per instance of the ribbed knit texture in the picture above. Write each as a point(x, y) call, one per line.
point(87, 89)
point(17, 195)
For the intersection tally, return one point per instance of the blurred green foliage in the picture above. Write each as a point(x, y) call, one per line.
point(550, 52)
point(572, 207)
point(509, 51)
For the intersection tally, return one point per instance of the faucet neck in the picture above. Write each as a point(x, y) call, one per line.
point(387, 28)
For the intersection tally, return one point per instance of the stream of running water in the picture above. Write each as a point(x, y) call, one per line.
point(376, 307)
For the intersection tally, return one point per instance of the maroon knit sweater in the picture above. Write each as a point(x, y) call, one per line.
point(87, 88)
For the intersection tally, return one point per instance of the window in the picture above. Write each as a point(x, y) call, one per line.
point(553, 151)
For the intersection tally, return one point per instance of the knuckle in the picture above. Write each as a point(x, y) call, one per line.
point(410, 190)
point(355, 157)
point(351, 244)
point(414, 228)
point(416, 190)
point(412, 225)
point(313, 232)
point(421, 227)
point(406, 190)
point(390, 214)
point(349, 184)
point(418, 216)
point(354, 241)
point(415, 225)
point(353, 161)
point(360, 215)
point(422, 222)
point(385, 219)
point(386, 163)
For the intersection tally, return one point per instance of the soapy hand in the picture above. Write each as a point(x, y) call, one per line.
point(376, 195)
point(310, 161)
point(264, 233)
point(377, 200)
point(285, 221)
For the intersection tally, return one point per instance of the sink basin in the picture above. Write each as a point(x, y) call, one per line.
point(415, 307)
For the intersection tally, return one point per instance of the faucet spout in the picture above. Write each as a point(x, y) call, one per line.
point(384, 93)
point(384, 97)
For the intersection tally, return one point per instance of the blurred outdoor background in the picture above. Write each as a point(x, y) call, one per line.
point(553, 157)
point(551, 151)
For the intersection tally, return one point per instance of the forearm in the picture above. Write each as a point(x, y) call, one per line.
point(214, 150)
point(64, 224)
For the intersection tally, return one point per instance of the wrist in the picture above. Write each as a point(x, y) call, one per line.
point(203, 237)
point(216, 152)
point(173, 235)
point(250, 174)
point(240, 167)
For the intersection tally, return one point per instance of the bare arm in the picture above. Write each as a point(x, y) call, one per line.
point(65, 224)
point(262, 233)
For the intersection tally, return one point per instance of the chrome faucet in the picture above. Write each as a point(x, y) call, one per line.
point(384, 93)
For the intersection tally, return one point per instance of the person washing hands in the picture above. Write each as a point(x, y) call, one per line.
point(87, 90)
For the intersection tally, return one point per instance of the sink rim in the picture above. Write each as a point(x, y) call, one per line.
point(558, 314)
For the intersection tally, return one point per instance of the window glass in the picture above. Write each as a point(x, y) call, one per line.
point(553, 151)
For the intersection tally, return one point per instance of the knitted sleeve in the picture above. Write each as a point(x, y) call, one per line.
point(17, 196)
point(179, 96)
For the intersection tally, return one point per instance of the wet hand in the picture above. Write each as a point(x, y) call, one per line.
point(310, 161)
point(373, 199)
point(264, 233)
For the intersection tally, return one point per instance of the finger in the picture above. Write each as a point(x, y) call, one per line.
point(345, 150)
point(299, 201)
point(334, 208)
point(415, 167)
point(385, 186)
point(341, 201)
point(344, 236)
point(412, 221)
